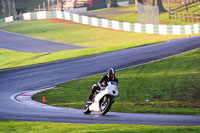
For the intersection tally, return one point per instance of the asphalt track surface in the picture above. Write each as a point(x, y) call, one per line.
point(34, 77)
point(22, 43)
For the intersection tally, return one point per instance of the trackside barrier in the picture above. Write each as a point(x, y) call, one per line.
point(2, 20)
point(9, 19)
point(112, 24)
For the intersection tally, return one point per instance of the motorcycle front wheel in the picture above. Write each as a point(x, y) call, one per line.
point(86, 107)
point(105, 104)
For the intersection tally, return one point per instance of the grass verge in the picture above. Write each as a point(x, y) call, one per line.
point(100, 40)
point(133, 17)
point(172, 86)
point(35, 127)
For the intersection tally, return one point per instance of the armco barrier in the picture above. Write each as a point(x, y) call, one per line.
point(112, 24)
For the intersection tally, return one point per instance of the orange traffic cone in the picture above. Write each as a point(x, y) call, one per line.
point(43, 99)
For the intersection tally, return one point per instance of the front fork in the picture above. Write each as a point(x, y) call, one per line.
point(113, 100)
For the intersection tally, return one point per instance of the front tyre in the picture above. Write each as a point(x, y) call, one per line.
point(86, 107)
point(105, 104)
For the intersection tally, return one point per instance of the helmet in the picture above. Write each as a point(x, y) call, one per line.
point(111, 72)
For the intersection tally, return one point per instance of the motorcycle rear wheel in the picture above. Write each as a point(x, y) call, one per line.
point(105, 104)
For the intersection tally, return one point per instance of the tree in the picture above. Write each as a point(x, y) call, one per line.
point(199, 3)
point(113, 3)
point(160, 5)
point(8, 8)
point(140, 1)
point(154, 2)
point(136, 3)
point(3, 9)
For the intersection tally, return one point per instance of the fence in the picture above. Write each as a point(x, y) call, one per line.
point(112, 24)
point(178, 1)
point(148, 14)
point(185, 6)
point(187, 16)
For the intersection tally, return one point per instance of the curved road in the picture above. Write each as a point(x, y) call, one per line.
point(30, 78)
point(22, 43)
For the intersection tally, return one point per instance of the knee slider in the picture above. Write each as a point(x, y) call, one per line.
point(94, 86)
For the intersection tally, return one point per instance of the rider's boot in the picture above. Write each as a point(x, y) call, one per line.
point(90, 97)
point(93, 90)
point(91, 93)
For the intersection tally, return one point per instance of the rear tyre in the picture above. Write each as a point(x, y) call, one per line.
point(105, 104)
point(86, 107)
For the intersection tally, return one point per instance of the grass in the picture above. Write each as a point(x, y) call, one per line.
point(177, 93)
point(143, 83)
point(172, 86)
point(41, 127)
point(124, 8)
point(100, 40)
point(132, 17)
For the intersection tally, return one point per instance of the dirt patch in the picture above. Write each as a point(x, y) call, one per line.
point(94, 14)
point(62, 21)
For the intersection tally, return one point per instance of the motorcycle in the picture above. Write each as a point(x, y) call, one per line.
point(103, 100)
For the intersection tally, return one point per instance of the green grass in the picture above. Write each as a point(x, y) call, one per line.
point(172, 86)
point(124, 8)
point(46, 127)
point(145, 83)
point(132, 17)
point(99, 40)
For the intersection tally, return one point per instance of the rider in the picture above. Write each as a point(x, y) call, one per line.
point(102, 83)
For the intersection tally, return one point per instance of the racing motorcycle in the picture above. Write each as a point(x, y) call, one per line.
point(103, 100)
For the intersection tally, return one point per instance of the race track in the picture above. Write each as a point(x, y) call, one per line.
point(22, 43)
point(33, 77)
